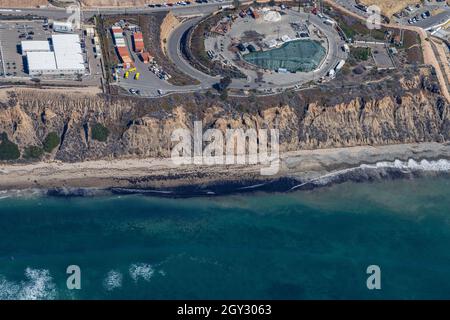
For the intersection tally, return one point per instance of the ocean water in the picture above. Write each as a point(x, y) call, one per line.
point(312, 244)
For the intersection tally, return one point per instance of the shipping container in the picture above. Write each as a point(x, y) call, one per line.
point(146, 57)
point(138, 42)
point(120, 43)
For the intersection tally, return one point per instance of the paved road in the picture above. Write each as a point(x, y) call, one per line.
point(174, 52)
point(60, 13)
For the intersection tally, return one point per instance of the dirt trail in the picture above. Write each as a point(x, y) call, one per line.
point(442, 57)
point(428, 53)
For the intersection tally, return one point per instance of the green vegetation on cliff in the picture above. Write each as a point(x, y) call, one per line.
point(33, 152)
point(100, 132)
point(51, 142)
point(8, 150)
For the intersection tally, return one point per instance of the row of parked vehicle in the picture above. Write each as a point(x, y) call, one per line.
point(417, 18)
point(180, 3)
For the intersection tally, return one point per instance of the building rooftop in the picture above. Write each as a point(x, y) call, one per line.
point(41, 61)
point(34, 46)
point(68, 54)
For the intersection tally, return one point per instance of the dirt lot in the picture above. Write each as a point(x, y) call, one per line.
point(21, 3)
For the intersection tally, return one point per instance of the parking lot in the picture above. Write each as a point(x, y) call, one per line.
point(425, 15)
point(11, 34)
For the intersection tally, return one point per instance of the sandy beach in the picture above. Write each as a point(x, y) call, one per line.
point(163, 173)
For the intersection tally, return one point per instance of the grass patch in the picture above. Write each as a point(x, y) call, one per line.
point(99, 132)
point(360, 53)
point(51, 142)
point(8, 149)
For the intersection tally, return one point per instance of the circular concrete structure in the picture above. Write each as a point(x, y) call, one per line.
point(275, 48)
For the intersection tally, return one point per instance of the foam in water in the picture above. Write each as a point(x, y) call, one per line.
point(113, 280)
point(141, 271)
point(441, 165)
point(423, 165)
point(38, 286)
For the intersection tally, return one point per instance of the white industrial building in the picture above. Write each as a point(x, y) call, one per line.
point(34, 46)
point(41, 63)
point(66, 57)
point(68, 54)
point(59, 26)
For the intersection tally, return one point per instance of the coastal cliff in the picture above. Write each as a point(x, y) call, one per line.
point(412, 112)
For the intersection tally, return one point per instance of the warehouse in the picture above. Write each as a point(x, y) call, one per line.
point(68, 54)
point(65, 59)
point(41, 63)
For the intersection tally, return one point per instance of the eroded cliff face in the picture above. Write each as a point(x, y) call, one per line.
point(143, 128)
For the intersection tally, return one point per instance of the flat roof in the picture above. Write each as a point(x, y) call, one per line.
point(33, 45)
point(62, 23)
point(68, 54)
point(38, 61)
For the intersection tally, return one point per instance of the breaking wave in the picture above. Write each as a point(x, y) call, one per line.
point(142, 271)
point(37, 286)
point(380, 169)
point(422, 165)
point(113, 280)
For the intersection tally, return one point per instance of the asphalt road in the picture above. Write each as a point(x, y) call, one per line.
point(60, 13)
point(174, 52)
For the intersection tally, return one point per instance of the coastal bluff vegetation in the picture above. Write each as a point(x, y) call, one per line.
point(70, 126)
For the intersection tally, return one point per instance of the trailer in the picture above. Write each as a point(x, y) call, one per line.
point(340, 65)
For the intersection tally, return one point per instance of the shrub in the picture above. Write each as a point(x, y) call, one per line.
point(33, 152)
point(51, 142)
point(8, 150)
point(100, 132)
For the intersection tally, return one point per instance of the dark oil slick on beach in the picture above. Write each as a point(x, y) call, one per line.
point(312, 244)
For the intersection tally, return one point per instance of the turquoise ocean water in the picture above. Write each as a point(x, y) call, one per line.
point(300, 245)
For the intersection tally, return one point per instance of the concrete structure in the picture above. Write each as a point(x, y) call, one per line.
point(34, 46)
point(272, 16)
point(65, 59)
